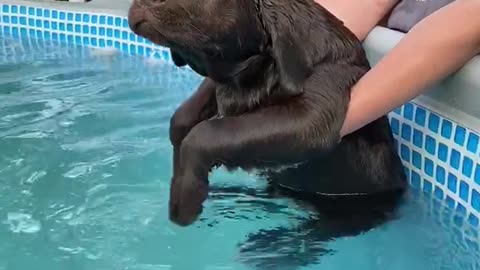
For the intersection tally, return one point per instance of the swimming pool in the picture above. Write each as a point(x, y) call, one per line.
point(85, 170)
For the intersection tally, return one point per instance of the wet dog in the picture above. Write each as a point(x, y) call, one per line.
point(278, 75)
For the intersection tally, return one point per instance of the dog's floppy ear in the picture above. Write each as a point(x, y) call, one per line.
point(177, 59)
point(291, 44)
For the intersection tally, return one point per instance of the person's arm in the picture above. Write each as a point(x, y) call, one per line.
point(433, 49)
point(359, 16)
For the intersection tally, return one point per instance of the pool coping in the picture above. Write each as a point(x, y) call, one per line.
point(442, 96)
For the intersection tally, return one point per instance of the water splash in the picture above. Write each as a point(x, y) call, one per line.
point(22, 223)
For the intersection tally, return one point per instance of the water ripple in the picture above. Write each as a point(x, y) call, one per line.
point(22, 223)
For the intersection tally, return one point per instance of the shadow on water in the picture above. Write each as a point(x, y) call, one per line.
point(302, 245)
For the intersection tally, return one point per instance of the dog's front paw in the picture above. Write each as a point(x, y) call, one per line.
point(187, 195)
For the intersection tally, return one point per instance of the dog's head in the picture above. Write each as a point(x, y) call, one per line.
point(221, 36)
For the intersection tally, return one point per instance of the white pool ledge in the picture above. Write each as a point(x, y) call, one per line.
point(457, 97)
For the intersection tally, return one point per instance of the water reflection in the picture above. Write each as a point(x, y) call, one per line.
point(304, 244)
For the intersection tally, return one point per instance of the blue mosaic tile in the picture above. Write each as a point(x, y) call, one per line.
point(415, 180)
point(417, 138)
point(458, 221)
point(442, 152)
point(450, 202)
point(467, 167)
point(118, 21)
point(473, 220)
point(452, 183)
point(428, 167)
point(398, 110)
point(406, 132)
point(427, 186)
point(407, 172)
point(475, 200)
point(148, 52)
point(464, 191)
point(408, 111)
point(124, 47)
point(440, 175)
point(438, 193)
point(472, 142)
point(460, 135)
point(461, 210)
point(455, 159)
point(416, 159)
point(447, 127)
point(476, 176)
point(430, 145)
point(420, 116)
point(433, 122)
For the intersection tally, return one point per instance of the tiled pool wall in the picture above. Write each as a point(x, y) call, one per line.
point(441, 156)
point(87, 29)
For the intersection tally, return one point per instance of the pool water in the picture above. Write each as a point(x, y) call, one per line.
point(85, 166)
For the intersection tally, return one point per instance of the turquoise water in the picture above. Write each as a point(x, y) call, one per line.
point(85, 169)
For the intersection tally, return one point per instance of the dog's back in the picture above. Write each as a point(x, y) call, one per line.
point(365, 161)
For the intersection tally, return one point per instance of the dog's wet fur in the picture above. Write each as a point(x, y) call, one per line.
point(278, 76)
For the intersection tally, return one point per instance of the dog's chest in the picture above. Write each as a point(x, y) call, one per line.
point(234, 102)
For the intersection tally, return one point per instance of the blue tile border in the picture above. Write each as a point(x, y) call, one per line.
point(441, 157)
point(87, 29)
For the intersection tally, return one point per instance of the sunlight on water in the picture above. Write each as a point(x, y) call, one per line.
point(85, 170)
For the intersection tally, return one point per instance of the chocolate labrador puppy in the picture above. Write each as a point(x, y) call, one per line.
point(278, 79)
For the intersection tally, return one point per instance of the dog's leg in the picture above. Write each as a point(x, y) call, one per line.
point(281, 134)
point(197, 108)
